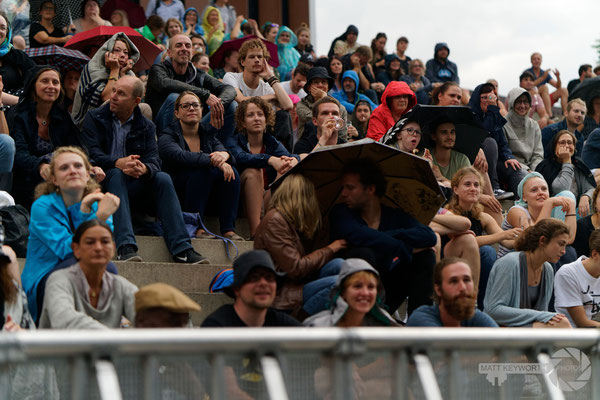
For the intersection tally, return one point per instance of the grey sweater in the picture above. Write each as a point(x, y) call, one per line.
point(67, 304)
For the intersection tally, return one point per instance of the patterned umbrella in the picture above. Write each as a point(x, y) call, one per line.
point(63, 9)
point(59, 57)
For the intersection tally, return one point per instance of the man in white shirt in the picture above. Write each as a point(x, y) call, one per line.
point(296, 85)
point(577, 288)
point(257, 78)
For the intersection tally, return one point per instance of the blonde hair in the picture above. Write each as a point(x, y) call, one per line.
point(453, 203)
point(359, 276)
point(49, 187)
point(297, 201)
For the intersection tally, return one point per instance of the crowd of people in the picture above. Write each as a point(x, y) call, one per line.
point(94, 153)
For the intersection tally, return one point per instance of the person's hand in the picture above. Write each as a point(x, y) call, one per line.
point(278, 164)
point(89, 199)
point(131, 166)
point(44, 171)
point(378, 86)
point(291, 162)
point(326, 130)
point(267, 71)
point(253, 24)
point(480, 162)
point(317, 93)
point(217, 111)
point(556, 319)
point(563, 154)
point(126, 68)
point(228, 174)
point(213, 30)
point(10, 325)
point(490, 202)
point(557, 73)
point(337, 245)
point(491, 99)
point(1, 88)
point(415, 86)
point(99, 173)
point(218, 158)
point(352, 132)
point(355, 60)
point(513, 163)
point(512, 234)
point(564, 203)
point(111, 61)
point(107, 206)
point(189, 28)
point(584, 206)
point(427, 155)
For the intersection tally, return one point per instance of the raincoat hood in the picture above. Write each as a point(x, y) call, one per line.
point(293, 38)
point(398, 88)
point(206, 25)
point(439, 46)
point(514, 94)
point(389, 58)
point(475, 101)
point(198, 27)
point(354, 76)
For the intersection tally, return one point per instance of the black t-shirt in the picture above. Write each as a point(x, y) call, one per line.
point(36, 28)
point(226, 316)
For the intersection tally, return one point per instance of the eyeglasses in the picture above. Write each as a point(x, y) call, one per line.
point(523, 101)
point(185, 106)
point(412, 131)
point(48, 8)
point(257, 276)
point(565, 142)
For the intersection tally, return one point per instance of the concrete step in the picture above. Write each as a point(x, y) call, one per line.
point(241, 226)
point(154, 249)
point(209, 303)
point(185, 277)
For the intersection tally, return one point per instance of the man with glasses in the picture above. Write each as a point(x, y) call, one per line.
point(123, 142)
point(168, 79)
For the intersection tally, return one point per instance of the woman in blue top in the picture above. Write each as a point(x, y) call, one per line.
point(191, 22)
point(68, 198)
point(288, 56)
point(259, 156)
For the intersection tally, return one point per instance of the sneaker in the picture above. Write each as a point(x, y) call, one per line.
point(127, 252)
point(190, 256)
point(500, 194)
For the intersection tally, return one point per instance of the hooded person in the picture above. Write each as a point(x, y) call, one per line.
point(522, 133)
point(197, 28)
point(214, 30)
point(397, 100)
point(360, 118)
point(392, 70)
point(96, 76)
point(288, 55)
point(340, 45)
point(344, 99)
point(439, 68)
point(343, 305)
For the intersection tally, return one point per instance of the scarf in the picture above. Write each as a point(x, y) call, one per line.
point(6, 45)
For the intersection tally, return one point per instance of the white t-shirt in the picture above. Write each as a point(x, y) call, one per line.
point(574, 286)
point(236, 80)
point(288, 89)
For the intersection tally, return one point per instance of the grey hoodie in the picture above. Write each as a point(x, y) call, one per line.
point(376, 317)
point(523, 134)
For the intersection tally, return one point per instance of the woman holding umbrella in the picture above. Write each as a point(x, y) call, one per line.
point(45, 33)
point(90, 9)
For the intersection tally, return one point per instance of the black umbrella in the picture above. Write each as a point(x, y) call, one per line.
point(469, 132)
point(66, 10)
point(411, 184)
point(586, 90)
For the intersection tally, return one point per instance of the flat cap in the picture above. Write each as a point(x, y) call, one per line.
point(166, 296)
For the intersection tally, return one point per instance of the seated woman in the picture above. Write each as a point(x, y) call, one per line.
point(397, 100)
point(391, 69)
point(84, 296)
point(466, 185)
point(90, 9)
point(535, 204)
point(304, 45)
point(417, 81)
point(114, 59)
point(288, 56)
point(360, 118)
point(294, 218)
point(586, 225)
point(357, 280)
point(199, 164)
point(39, 125)
point(259, 156)
point(68, 198)
point(191, 22)
point(521, 283)
point(45, 33)
point(335, 69)
point(214, 30)
point(119, 18)
point(172, 27)
point(566, 172)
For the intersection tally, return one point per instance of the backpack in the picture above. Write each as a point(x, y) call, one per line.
point(15, 221)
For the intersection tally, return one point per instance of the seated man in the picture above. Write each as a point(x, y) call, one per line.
point(395, 243)
point(439, 69)
point(168, 79)
point(123, 142)
point(584, 72)
point(325, 111)
point(542, 78)
point(538, 110)
point(454, 297)
point(159, 305)
point(397, 100)
point(574, 116)
point(360, 62)
point(349, 95)
point(296, 85)
point(577, 288)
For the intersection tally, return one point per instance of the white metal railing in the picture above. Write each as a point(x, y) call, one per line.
point(431, 363)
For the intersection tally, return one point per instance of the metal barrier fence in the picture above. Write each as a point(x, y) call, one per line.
point(304, 363)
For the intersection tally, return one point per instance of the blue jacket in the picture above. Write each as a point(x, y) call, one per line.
point(398, 233)
point(437, 71)
point(198, 27)
point(342, 97)
point(175, 152)
point(591, 151)
point(238, 147)
point(51, 231)
point(548, 133)
point(492, 122)
point(97, 137)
